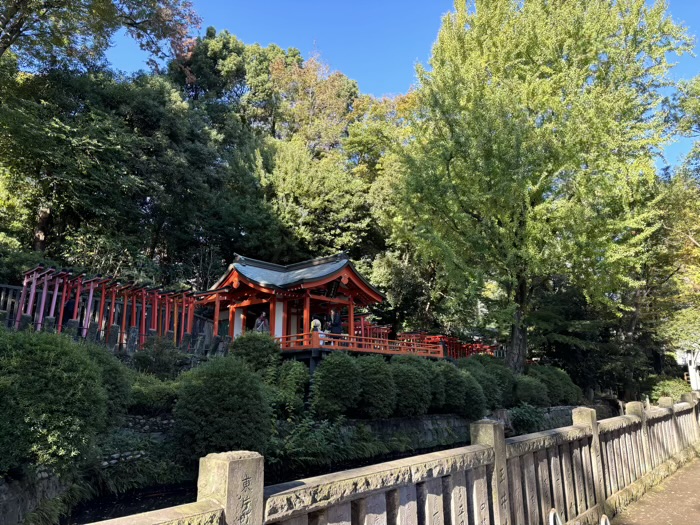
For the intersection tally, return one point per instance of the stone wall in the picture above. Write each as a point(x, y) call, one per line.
point(19, 498)
point(418, 433)
point(148, 424)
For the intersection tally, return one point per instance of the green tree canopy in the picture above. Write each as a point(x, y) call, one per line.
point(502, 181)
point(48, 32)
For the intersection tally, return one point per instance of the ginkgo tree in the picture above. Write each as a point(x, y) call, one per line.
point(533, 145)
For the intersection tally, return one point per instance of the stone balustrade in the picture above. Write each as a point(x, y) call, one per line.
point(585, 470)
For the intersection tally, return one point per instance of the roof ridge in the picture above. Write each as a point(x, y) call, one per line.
point(289, 267)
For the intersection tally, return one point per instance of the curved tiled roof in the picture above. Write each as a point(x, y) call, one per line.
point(284, 277)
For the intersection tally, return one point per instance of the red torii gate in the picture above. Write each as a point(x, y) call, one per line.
point(167, 308)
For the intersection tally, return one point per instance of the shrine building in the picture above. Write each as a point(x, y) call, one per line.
point(291, 296)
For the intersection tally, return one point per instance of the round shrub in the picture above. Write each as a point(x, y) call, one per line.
point(412, 390)
point(429, 370)
point(260, 351)
point(532, 391)
point(475, 405)
point(669, 387)
point(335, 390)
point(456, 384)
point(161, 358)
point(377, 387)
point(222, 406)
point(53, 401)
point(560, 389)
point(151, 396)
point(470, 363)
point(526, 419)
point(438, 390)
point(491, 387)
point(116, 379)
point(485, 360)
point(505, 378)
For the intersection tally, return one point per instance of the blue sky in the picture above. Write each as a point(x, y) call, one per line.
point(377, 43)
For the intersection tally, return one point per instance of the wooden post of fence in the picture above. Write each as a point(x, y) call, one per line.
point(490, 434)
point(636, 408)
point(690, 398)
point(587, 417)
point(235, 481)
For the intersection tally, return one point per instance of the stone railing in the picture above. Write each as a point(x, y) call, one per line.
point(586, 470)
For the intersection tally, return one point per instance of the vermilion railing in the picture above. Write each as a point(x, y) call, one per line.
point(345, 342)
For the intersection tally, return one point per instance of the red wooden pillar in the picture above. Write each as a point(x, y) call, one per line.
point(244, 319)
point(190, 320)
point(217, 311)
point(112, 305)
point(133, 310)
point(32, 293)
point(78, 291)
point(62, 305)
point(351, 320)
point(154, 312)
point(88, 309)
point(125, 308)
point(22, 299)
point(175, 319)
point(103, 300)
point(44, 293)
point(285, 307)
point(142, 339)
point(231, 320)
point(166, 325)
point(307, 316)
point(273, 316)
point(183, 321)
point(56, 286)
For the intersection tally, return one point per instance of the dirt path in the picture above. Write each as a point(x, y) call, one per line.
point(676, 501)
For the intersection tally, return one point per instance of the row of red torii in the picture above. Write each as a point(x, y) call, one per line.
point(291, 296)
point(122, 305)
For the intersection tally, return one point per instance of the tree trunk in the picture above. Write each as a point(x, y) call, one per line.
point(41, 229)
point(517, 351)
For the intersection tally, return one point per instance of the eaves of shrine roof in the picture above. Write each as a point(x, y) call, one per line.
point(283, 277)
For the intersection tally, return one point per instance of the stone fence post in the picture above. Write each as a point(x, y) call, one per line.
point(587, 417)
point(235, 481)
point(667, 402)
point(636, 408)
point(490, 433)
point(692, 399)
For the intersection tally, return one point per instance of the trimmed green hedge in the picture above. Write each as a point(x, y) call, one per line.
point(377, 388)
point(489, 384)
point(335, 390)
point(429, 370)
point(526, 419)
point(475, 406)
point(52, 400)
point(531, 391)
point(116, 379)
point(161, 358)
point(260, 351)
point(413, 388)
point(151, 396)
point(222, 406)
point(561, 390)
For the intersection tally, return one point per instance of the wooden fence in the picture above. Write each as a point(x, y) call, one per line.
point(583, 470)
